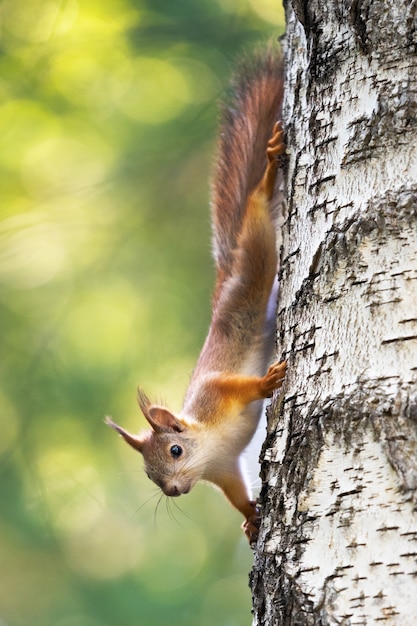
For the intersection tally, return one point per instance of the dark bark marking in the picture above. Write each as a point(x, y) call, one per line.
point(358, 22)
point(397, 339)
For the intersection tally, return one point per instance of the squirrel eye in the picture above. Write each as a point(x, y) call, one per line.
point(176, 451)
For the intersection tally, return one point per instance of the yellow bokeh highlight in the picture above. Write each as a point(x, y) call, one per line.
point(71, 487)
point(104, 551)
point(68, 477)
point(158, 91)
point(83, 75)
point(23, 124)
point(46, 18)
point(66, 164)
point(98, 329)
point(269, 10)
point(32, 250)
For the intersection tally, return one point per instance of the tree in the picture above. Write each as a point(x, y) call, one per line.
point(338, 540)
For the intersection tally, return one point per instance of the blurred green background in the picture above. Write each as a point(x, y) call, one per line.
point(107, 125)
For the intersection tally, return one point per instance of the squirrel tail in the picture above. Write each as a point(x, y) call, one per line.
point(246, 124)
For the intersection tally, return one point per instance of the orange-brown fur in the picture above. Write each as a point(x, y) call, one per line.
point(224, 399)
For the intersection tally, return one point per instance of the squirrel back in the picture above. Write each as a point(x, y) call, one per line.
point(223, 401)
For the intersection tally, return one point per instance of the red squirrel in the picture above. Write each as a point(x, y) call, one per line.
point(223, 402)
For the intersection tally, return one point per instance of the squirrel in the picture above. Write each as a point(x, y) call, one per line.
point(223, 402)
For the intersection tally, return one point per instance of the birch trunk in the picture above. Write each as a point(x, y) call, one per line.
point(338, 541)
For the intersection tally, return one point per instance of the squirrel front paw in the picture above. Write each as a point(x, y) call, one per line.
point(251, 525)
point(273, 378)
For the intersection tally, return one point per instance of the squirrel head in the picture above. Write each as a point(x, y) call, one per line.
point(168, 448)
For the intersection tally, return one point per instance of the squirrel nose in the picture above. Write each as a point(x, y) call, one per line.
point(173, 490)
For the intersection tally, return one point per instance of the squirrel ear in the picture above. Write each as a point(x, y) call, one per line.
point(159, 418)
point(163, 420)
point(133, 440)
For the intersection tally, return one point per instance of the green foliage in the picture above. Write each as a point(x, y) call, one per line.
point(107, 127)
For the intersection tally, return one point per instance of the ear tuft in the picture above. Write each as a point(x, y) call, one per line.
point(159, 418)
point(143, 401)
point(133, 440)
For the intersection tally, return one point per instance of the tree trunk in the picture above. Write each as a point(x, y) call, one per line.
point(338, 540)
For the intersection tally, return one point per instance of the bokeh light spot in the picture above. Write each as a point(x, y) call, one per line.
point(269, 10)
point(158, 91)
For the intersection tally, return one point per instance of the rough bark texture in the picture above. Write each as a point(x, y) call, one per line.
point(338, 541)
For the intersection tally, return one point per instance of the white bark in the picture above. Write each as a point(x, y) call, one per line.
point(338, 542)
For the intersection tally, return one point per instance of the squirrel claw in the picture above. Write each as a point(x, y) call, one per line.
point(251, 526)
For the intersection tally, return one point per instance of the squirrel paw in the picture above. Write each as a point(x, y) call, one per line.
point(274, 154)
point(251, 525)
point(276, 145)
point(273, 378)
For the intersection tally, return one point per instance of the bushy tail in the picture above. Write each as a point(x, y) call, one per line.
point(247, 120)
